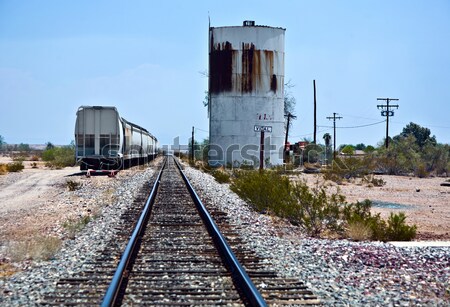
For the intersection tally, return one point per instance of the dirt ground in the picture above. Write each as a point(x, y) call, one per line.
point(424, 201)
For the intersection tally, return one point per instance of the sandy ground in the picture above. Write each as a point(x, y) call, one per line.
point(427, 204)
point(424, 201)
point(31, 187)
point(36, 202)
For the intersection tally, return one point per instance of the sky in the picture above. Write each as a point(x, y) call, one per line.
point(150, 60)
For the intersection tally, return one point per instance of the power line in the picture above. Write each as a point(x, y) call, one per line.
point(307, 134)
point(201, 130)
point(350, 127)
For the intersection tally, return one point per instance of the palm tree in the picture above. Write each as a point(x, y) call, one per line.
point(327, 138)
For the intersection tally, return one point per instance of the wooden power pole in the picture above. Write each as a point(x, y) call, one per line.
point(289, 116)
point(315, 113)
point(192, 146)
point(386, 111)
point(334, 117)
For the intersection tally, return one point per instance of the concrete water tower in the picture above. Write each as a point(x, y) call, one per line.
point(246, 91)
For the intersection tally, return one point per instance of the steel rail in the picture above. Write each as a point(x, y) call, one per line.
point(238, 273)
point(114, 287)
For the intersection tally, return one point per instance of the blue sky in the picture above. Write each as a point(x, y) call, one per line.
point(146, 58)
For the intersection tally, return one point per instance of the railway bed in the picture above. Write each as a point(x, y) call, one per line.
point(178, 262)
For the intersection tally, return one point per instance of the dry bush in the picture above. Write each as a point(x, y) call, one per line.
point(15, 167)
point(73, 226)
point(72, 185)
point(3, 169)
point(37, 248)
point(359, 231)
point(7, 270)
point(221, 176)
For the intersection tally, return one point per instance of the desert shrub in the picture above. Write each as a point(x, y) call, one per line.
point(359, 231)
point(221, 176)
point(73, 226)
point(15, 167)
point(247, 165)
point(34, 165)
point(34, 158)
point(398, 230)
point(372, 181)
point(359, 215)
point(265, 190)
point(394, 229)
point(3, 168)
point(19, 158)
point(329, 174)
point(36, 248)
point(421, 171)
point(72, 185)
point(349, 167)
point(314, 210)
point(283, 169)
point(59, 157)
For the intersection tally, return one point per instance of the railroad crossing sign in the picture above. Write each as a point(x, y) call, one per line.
point(259, 128)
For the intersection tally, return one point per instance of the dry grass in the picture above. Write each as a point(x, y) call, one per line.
point(359, 231)
point(3, 168)
point(7, 270)
point(37, 248)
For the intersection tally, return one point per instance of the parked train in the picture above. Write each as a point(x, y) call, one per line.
point(106, 141)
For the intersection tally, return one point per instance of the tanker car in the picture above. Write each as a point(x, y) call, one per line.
point(106, 141)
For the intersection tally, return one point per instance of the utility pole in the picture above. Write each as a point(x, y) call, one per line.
point(192, 146)
point(289, 116)
point(386, 111)
point(261, 151)
point(334, 117)
point(315, 112)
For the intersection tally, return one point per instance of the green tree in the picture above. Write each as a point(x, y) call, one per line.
point(23, 147)
point(360, 146)
point(436, 157)
point(369, 149)
point(327, 138)
point(348, 150)
point(421, 134)
point(402, 156)
point(49, 145)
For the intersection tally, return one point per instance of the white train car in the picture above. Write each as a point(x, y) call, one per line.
point(106, 141)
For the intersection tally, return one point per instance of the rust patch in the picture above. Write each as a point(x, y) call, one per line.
point(257, 69)
point(221, 68)
point(248, 67)
point(273, 84)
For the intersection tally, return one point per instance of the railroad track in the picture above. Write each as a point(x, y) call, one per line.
point(177, 256)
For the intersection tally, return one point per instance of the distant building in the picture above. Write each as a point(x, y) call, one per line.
point(246, 91)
